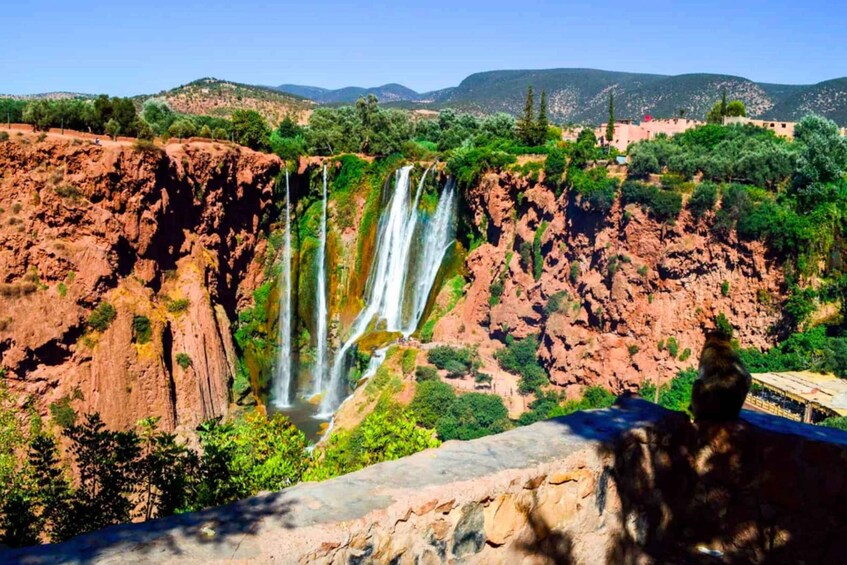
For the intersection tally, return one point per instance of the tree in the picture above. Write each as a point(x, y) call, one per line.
point(822, 153)
point(525, 126)
point(432, 399)
point(723, 109)
point(288, 127)
point(205, 132)
point(250, 129)
point(113, 128)
point(39, 113)
point(182, 128)
point(610, 126)
point(158, 114)
point(542, 124)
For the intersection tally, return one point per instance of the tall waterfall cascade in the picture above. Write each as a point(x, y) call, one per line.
point(319, 376)
point(281, 394)
point(409, 250)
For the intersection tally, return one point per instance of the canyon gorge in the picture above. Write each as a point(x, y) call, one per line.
point(218, 262)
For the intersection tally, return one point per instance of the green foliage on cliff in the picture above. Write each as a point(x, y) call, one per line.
point(388, 433)
point(595, 188)
point(551, 404)
point(139, 473)
point(102, 316)
point(663, 205)
point(537, 257)
point(255, 343)
point(142, 329)
point(456, 361)
point(811, 350)
point(466, 416)
point(675, 395)
point(520, 357)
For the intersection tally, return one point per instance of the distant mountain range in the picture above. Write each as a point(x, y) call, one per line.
point(578, 96)
point(582, 95)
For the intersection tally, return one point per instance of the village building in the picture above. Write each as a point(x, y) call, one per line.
point(630, 131)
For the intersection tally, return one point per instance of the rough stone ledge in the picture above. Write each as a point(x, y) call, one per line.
point(591, 487)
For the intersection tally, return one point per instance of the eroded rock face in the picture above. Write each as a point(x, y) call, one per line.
point(625, 283)
point(167, 235)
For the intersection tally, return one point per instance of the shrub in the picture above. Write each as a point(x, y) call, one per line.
point(554, 303)
point(632, 349)
point(537, 258)
point(183, 360)
point(432, 400)
point(62, 413)
point(704, 199)
point(673, 347)
point(410, 355)
point(520, 357)
point(426, 373)
point(573, 273)
point(142, 329)
point(103, 315)
point(725, 288)
point(4, 136)
point(663, 205)
point(686, 353)
point(178, 305)
point(473, 415)
point(146, 146)
point(722, 324)
point(455, 369)
point(442, 355)
point(496, 290)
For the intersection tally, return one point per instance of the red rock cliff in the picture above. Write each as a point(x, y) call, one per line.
point(162, 234)
point(636, 282)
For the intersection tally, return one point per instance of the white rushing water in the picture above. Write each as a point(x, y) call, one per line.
point(402, 273)
point(318, 379)
point(282, 372)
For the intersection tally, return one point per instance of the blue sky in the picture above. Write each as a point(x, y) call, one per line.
point(128, 48)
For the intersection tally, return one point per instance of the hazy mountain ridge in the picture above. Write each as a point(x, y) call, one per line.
point(582, 95)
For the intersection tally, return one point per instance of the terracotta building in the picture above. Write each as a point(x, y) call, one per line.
point(627, 131)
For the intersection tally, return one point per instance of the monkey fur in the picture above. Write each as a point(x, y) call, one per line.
point(723, 383)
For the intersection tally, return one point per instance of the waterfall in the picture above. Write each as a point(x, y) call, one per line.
point(282, 373)
point(321, 313)
point(438, 240)
point(387, 297)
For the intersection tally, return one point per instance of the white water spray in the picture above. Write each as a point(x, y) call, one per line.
point(321, 351)
point(282, 372)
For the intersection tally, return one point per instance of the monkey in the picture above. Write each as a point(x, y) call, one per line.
point(723, 383)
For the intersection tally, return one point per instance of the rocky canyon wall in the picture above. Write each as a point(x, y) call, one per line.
point(613, 290)
point(166, 237)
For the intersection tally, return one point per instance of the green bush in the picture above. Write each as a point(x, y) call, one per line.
point(520, 358)
point(722, 324)
point(473, 415)
point(183, 360)
point(102, 316)
point(537, 258)
point(554, 302)
point(426, 373)
point(408, 361)
point(663, 205)
point(725, 288)
point(674, 396)
point(457, 361)
point(178, 305)
point(704, 199)
point(433, 398)
point(142, 329)
point(672, 346)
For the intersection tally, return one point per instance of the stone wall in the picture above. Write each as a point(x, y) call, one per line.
point(632, 484)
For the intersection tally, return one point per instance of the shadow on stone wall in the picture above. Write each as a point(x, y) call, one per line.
point(186, 536)
point(715, 493)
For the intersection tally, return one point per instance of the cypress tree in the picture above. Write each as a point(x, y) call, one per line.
point(723, 105)
point(610, 127)
point(525, 124)
point(542, 123)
